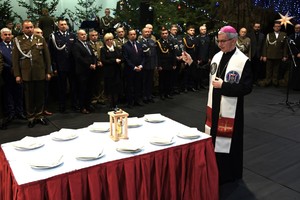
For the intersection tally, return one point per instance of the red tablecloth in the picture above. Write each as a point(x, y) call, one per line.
point(181, 172)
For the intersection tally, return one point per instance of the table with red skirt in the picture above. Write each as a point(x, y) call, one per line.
point(185, 170)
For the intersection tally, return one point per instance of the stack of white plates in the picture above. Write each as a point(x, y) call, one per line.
point(28, 143)
point(154, 118)
point(64, 134)
point(99, 127)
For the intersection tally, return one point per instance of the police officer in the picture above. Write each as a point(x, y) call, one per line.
point(60, 45)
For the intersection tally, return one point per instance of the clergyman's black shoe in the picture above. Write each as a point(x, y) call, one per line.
point(31, 124)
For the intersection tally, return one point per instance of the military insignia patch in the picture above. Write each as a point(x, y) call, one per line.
point(233, 77)
point(213, 68)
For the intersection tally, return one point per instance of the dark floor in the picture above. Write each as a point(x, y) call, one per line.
point(271, 141)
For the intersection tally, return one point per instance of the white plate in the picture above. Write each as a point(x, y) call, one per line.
point(57, 136)
point(162, 143)
point(134, 122)
point(129, 147)
point(154, 118)
point(28, 143)
point(188, 136)
point(35, 146)
point(134, 125)
point(128, 150)
point(56, 164)
point(99, 128)
point(90, 158)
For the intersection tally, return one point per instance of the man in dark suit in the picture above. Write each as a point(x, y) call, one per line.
point(257, 41)
point(60, 45)
point(12, 92)
point(295, 46)
point(134, 62)
point(85, 65)
point(98, 82)
point(32, 66)
point(274, 52)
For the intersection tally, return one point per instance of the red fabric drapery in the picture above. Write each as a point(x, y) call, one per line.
point(181, 172)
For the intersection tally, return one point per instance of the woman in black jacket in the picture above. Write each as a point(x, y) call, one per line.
point(111, 58)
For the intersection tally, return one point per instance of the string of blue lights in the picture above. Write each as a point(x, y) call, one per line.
point(282, 6)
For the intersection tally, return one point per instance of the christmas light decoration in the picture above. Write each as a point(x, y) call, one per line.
point(285, 19)
point(282, 6)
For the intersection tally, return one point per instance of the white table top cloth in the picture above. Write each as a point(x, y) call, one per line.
point(19, 160)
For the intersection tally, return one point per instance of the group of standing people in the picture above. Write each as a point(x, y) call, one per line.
point(130, 67)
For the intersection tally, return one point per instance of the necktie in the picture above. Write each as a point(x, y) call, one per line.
point(135, 47)
point(87, 48)
point(8, 46)
point(297, 35)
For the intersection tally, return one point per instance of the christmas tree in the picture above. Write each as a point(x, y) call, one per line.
point(6, 13)
point(34, 11)
point(167, 12)
point(86, 11)
point(185, 13)
point(127, 13)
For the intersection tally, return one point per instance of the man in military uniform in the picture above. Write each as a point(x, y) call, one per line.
point(107, 22)
point(60, 45)
point(32, 66)
point(274, 52)
point(149, 49)
point(97, 76)
point(166, 63)
point(178, 46)
point(120, 39)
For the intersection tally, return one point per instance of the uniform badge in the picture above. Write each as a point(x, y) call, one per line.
point(213, 68)
point(233, 77)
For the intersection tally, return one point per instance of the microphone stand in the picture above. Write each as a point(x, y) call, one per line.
point(292, 64)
